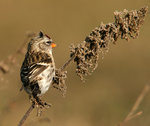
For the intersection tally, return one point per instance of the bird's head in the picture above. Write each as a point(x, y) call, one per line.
point(41, 42)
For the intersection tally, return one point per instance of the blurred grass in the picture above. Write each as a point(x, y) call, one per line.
point(108, 95)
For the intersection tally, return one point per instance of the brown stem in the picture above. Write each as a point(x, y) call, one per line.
point(26, 115)
point(137, 103)
point(67, 63)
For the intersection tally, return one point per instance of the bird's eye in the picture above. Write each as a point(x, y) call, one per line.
point(48, 42)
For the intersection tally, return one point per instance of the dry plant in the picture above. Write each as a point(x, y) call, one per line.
point(86, 54)
point(133, 113)
point(127, 24)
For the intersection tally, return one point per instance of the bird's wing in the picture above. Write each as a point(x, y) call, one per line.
point(29, 72)
point(34, 64)
point(35, 70)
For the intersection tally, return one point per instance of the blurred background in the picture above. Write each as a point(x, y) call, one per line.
point(108, 94)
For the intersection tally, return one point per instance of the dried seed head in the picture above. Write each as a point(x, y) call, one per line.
point(59, 81)
point(127, 24)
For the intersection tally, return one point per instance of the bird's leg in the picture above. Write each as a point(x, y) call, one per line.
point(41, 103)
point(39, 111)
point(36, 101)
point(32, 100)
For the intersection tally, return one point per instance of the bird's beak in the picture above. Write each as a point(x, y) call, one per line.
point(53, 45)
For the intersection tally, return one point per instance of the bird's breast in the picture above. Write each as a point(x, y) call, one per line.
point(45, 80)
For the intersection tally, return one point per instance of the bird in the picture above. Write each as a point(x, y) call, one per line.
point(38, 68)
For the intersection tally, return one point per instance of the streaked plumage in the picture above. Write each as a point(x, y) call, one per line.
point(38, 68)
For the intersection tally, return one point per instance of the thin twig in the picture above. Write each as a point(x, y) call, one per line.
point(133, 114)
point(26, 115)
point(67, 63)
point(137, 103)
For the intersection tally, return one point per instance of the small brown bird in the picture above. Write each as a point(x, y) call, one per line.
point(38, 68)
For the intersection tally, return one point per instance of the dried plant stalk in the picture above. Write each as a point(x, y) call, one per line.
point(26, 115)
point(86, 54)
point(59, 81)
point(133, 113)
point(4, 68)
point(127, 24)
